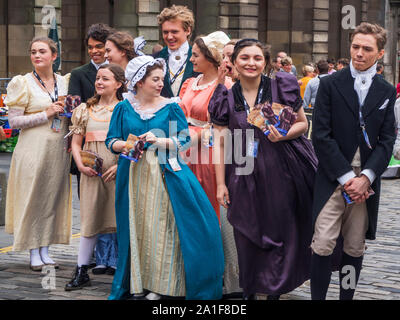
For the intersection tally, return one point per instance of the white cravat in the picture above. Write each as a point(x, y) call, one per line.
point(178, 57)
point(362, 84)
point(97, 66)
point(362, 81)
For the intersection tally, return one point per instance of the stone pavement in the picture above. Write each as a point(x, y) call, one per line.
point(380, 277)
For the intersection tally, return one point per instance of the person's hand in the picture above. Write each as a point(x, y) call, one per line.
point(300, 83)
point(357, 188)
point(55, 108)
point(222, 73)
point(110, 174)
point(124, 150)
point(223, 196)
point(149, 137)
point(274, 135)
point(362, 198)
point(88, 171)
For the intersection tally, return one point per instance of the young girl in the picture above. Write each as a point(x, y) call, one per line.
point(97, 194)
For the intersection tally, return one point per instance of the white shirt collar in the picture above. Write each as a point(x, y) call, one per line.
point(97, 66)
point(183, 50)
point(369, 73)
point(362, 81)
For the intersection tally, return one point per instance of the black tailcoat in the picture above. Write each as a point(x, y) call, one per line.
point(82, 81)
point(336, 135)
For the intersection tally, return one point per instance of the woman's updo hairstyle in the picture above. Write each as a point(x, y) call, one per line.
point(241, 44)
point(212, 55)
point(119, 76)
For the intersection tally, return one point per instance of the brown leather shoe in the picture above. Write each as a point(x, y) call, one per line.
point(36, 268)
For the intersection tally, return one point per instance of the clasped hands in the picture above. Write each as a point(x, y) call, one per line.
point(357, 188)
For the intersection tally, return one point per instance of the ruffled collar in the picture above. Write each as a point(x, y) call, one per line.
point(182, 51)
point(367, 74)
point(146, 114)
point(195, 84)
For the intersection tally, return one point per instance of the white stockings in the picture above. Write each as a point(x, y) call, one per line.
point(86, 248)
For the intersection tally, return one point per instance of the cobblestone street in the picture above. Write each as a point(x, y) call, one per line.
point(380, 277)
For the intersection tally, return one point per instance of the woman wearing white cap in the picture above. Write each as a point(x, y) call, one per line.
point(196, 94)
point(168, 233)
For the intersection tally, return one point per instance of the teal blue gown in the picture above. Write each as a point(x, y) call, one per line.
point(196, 220)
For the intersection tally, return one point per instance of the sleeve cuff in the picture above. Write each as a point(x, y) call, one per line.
point(369, 174)
point(110, 146)
point(346, 177)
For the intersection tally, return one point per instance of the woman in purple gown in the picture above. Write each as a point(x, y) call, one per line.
point(268, 184)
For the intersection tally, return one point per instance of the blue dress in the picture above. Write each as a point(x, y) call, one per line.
point(197, 223)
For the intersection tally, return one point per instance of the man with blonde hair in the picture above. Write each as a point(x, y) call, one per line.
point(177, 24)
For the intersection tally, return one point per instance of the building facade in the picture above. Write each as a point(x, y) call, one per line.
point(307, 30)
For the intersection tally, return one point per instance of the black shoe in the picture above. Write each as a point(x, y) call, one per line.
point(110, 271)
point(80, 279)
point(101, 270)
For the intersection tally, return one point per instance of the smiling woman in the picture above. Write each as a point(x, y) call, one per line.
point(90, 121)
point(120, 48)
point(195, 95)
point(276, 196)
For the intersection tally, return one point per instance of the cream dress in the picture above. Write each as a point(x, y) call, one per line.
point(97, 198)
point(38, 205)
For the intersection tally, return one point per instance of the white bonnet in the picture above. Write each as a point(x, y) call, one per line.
point(137, 68)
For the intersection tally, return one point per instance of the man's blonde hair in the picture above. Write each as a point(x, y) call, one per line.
point(181, 13)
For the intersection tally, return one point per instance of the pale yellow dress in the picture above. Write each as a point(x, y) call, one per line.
point(38, 205)
point(97, 198)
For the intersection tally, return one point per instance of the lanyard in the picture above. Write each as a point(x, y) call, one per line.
point(44, 86)
point(364, 131)
point(259, 97)
point(177, 74)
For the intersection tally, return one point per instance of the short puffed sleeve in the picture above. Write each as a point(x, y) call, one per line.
point(219, 106)
point(80, 117)
point(17, 93)
point(67, 77)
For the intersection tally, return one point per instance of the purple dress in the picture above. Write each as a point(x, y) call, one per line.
point(271, 207)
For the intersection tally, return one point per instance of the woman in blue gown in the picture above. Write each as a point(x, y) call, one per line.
point(168, 233)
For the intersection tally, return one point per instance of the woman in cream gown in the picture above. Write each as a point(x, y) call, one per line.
point(38, 205)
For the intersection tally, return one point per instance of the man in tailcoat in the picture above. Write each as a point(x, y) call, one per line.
point(177, 24)
point(353, 136)
point(83, 78)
